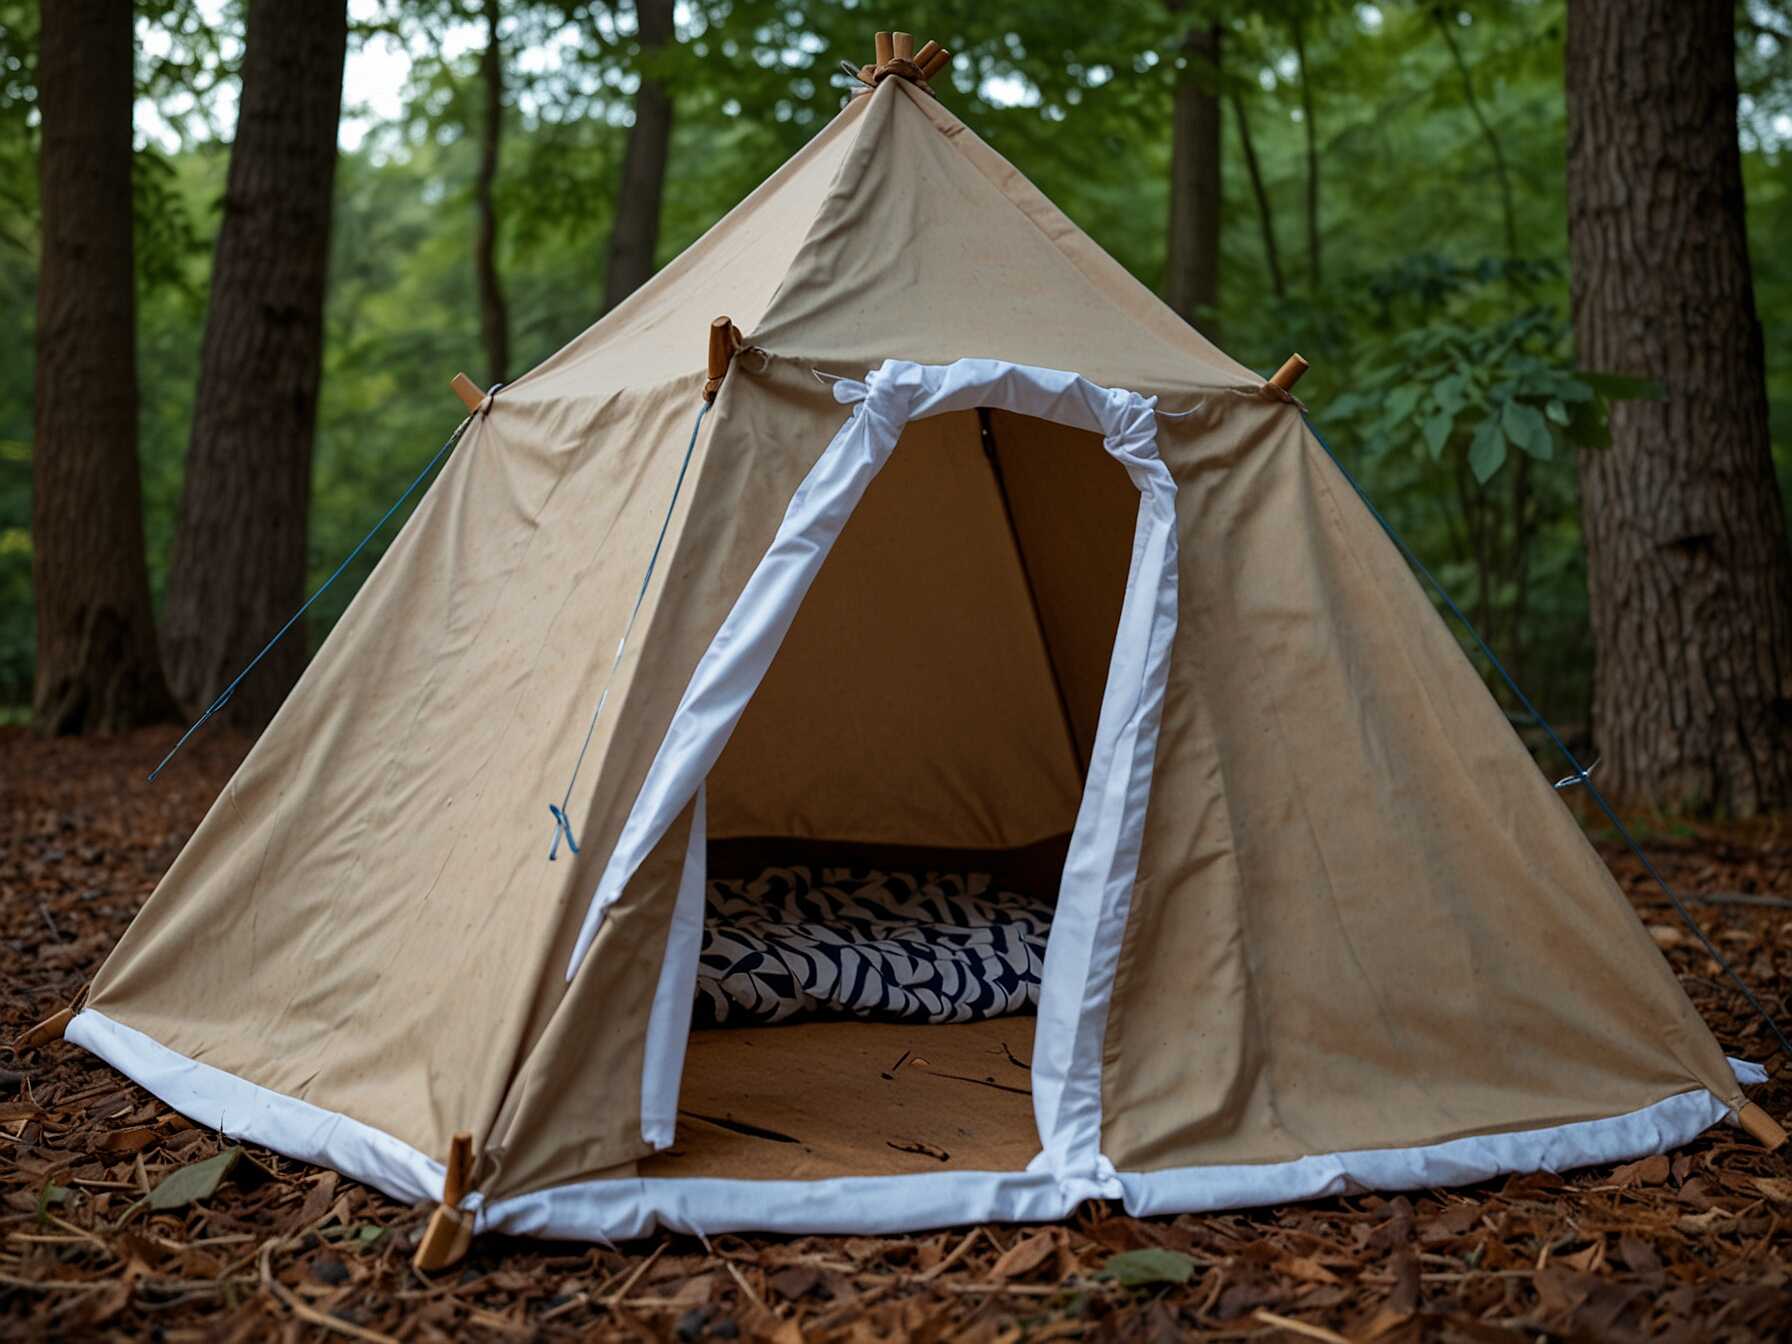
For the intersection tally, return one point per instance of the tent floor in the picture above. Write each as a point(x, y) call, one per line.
point(815, 1100)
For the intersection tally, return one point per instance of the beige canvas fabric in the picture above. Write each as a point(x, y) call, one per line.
point(1361, 919)
point(1397, 932)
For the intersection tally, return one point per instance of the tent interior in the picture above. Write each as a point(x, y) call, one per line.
point(932, 709)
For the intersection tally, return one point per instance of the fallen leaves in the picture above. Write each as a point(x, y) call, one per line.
point(244, 1244)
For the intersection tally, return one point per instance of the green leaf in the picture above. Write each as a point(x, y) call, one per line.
point(1437, 432)
point(1487, 451)
point(1525, 426)
point(200, 1180)
point(1153, 1264)
point(1451, 393)
point(1402, 402)
point(1621, 387)
point(1557, 411)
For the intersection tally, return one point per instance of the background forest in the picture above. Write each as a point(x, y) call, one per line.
point(1391, 201)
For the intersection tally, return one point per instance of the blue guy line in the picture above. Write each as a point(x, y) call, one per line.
point(230, 690)
point(563, 827)
point(1580, 775)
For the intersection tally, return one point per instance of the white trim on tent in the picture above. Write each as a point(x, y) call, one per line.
point(881, 1205)
point(669, 1022)
point(1102, 864)
point(617, 1209)
point(240, 1109)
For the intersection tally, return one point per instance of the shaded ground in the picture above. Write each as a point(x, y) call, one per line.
point(1696, 1247)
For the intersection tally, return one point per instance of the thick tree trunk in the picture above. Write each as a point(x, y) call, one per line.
point(636, 236)
point(1192, 279)
point(97, 666)
point(494, 314)
point(1688, 569)
point(239, 550)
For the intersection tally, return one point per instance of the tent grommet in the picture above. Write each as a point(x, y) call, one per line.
point(450, 1230)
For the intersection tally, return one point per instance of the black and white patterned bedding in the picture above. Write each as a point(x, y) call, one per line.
point(948, 947)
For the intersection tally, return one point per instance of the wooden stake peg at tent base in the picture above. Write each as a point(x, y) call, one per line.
point(50, 1029)
point(1761, 1126)
point(450, 1232)
point(724, 341)
point(467, 390)
point(1290, 373)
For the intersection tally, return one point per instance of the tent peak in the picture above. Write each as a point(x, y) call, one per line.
point(896, 55)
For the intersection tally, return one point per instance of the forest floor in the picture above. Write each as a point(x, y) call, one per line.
point(1696, 1246)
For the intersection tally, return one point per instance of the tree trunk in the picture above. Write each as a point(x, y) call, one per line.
point(1689, 577)
point(239, 550)
point(1266, 221)
point(97, 665)
point(494, 315)
point(636, 236)
point(1192, 281)
point(1315, 272)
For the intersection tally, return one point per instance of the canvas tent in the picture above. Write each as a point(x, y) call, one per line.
point(981, 550)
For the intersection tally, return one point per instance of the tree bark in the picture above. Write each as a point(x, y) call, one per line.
point(1689, 576)
point(636, 236)
point(1266, 220)
point(494, 313)
point(1192, 281)
point(240, 546)
point(97, 665)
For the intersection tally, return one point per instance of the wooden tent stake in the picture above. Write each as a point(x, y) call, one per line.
point(1761, 1126)
point(450, 1231)
point(467, 390)
point(724, 341)
point(1289, 374)
point(50, 1029)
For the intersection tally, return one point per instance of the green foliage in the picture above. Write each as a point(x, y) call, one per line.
point(1442, 368)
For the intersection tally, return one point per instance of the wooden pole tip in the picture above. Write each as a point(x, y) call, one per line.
point(50, 1029)
point(886, 48)
point(467, 390)
point(902, 46)
point(1290, 373)
point(1761, 1126)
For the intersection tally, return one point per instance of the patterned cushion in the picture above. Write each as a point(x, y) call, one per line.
point(890, 946)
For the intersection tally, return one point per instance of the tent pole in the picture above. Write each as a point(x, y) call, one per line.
point(724, 341)
point(50, 1029)
point(450, 1232)
point(1289, 374)
point(467, 390)
point(1761, 1126)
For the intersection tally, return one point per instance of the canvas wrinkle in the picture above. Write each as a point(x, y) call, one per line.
point(396, 952)
point(1319, 473)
